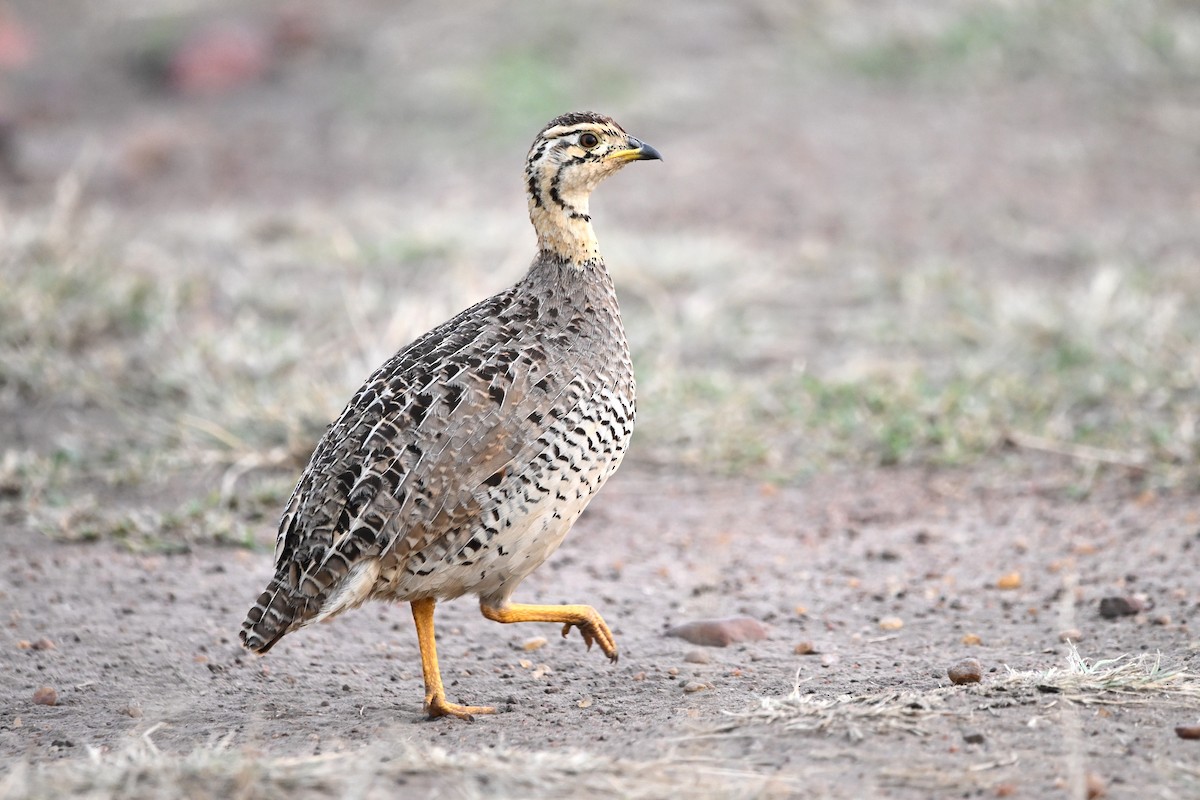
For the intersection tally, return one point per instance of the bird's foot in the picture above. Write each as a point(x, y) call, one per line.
point(586, 618)
point(594, 630)
point(438, 706)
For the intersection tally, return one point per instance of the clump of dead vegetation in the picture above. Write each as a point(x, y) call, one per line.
point(143, 772)
point(1123, 680)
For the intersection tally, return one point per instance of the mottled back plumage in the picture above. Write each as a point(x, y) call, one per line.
point(461, 463)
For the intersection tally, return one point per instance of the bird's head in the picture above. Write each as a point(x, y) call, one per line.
point(571, 155)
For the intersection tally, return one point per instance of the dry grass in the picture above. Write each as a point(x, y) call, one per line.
point(167, 357)
point(1124, 680)
point(1113, 681)
point(943, 368)
point(851, 714)
point(380, 771)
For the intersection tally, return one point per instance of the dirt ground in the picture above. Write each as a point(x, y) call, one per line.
point(848, 195)
point(145, 645)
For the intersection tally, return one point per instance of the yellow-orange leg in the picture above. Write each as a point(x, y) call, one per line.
point(586, 618)
point(436, 704)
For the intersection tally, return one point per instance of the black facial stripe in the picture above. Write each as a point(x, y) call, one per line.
point(555, 196)
point(534, 191)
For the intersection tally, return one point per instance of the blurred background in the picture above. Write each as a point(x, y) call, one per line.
point(884, 233)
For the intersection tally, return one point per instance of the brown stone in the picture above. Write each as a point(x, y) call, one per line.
point(720, 632)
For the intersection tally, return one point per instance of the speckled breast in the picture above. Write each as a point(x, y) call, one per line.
point(525, 515)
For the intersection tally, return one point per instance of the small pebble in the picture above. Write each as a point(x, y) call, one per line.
point(720, 632)
point(973, 738)
point(969, 670)
point(536, 643)
point(585, 703)
point(1191, 732)
point(45, 696)
point(691, 687)
point(134, 710)
point(830, 659)
point(1010, 581)
point(697, 657)
point(1096, 787)
point(1113, 607)
point(1070, 635)
point(972, 639)
point(1006, 789)
point(43, 644)
point(1161, 619)
point(804, 649)
point(891, 623)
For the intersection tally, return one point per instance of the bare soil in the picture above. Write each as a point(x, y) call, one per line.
point(146, 642)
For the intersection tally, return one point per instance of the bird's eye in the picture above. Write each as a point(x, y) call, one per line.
point(589, 140)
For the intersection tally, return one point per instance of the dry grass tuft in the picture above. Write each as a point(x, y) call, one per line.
point(1124, 680)
point(850, 714)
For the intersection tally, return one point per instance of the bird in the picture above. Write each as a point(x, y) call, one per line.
point(462, 462)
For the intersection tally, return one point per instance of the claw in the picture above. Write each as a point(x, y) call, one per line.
point(591, 625)
point(440, 707)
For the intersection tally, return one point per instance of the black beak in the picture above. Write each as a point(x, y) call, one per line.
point(644, 152)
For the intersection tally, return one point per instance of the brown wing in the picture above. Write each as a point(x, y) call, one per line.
point(412, 457)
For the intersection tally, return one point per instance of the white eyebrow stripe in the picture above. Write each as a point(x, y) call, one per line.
point(558, 131)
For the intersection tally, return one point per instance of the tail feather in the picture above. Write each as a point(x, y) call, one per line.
point(272, 615)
